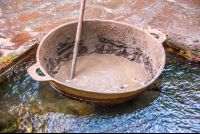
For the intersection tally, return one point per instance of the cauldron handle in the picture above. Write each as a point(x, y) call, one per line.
point(32, 72)
point(161, 36)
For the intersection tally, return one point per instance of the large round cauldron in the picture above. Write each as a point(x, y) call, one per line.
point(142, 46)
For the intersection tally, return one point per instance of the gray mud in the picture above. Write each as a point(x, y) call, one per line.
point(103, 73)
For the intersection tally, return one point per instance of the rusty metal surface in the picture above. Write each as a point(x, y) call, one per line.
point(98, 99)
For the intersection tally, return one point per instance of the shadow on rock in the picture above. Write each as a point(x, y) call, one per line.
point(142, 101)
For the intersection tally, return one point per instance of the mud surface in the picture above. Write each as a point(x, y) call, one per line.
point(103, 73)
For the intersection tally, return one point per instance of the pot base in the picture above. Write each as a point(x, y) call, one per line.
point(102, 102)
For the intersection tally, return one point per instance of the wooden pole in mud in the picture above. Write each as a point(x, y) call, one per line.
point(78, 35)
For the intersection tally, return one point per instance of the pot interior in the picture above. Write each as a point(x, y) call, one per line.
point(102, 37)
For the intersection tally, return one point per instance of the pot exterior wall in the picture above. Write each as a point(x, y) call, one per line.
point(96, 98)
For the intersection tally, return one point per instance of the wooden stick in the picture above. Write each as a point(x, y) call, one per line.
point(78, 35)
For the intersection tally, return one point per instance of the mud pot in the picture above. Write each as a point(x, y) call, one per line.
point(103, 73)
point(106, 39)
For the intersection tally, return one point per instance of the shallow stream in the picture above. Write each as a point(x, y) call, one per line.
point(172, 104)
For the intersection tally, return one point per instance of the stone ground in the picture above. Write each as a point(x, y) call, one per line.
point(23, 23)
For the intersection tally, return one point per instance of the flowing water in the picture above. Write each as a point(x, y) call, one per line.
point(172, 104)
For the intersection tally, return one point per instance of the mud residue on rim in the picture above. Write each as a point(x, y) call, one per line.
point(100, 38)
point(105, 46)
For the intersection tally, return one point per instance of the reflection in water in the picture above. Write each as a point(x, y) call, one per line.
point(30, 106)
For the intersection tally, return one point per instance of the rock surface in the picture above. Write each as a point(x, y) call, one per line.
point(24, 23)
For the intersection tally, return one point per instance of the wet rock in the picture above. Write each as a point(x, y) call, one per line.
point(156, 85)
point(7, 124)
point(189, 50)
point(82, 111)
point(10, 129)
